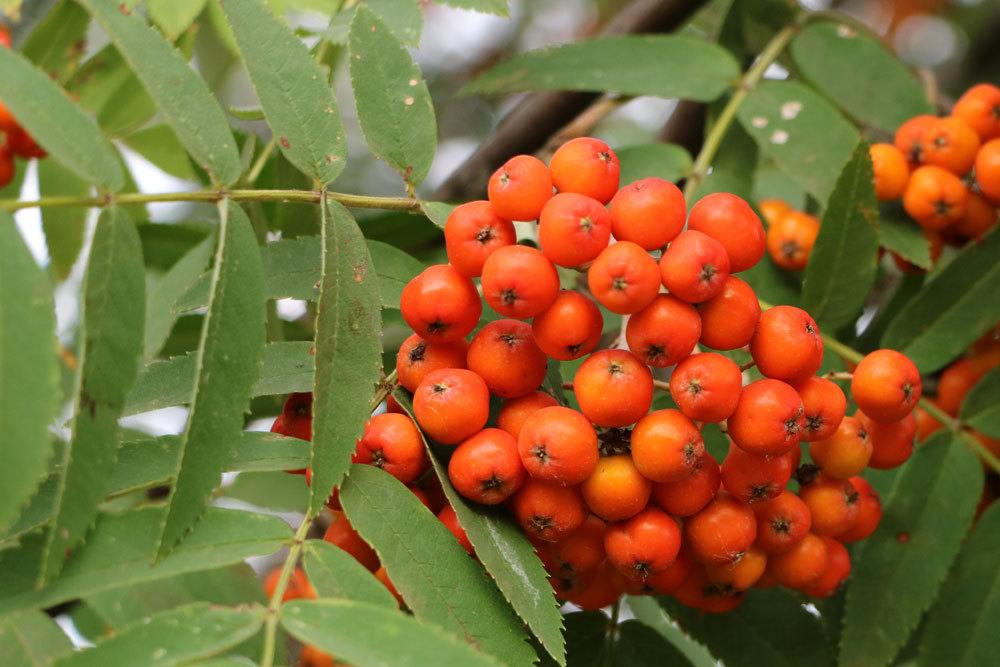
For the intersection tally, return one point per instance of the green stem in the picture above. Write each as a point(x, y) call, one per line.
point(274, 604)
point(610, 635)
point(749, 81)
point(213, 196)
point(258, 165)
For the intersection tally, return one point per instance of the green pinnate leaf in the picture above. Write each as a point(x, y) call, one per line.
point(334, 573)
point(64, 227)
point(226, 364)
point(498, 7)
point(667, 161)
point(770, 627)
point(172, 637)
point(159, 145)
point(803, 133)
point(903, 236)
point(56, 123)
point(436, 577)
point(403, 17)
point(348, 350)
point(842, 264)
point(648, 611)
point(981, 407)
point(367, 634)
point(31, 639)
point(953, 309)
point(394, 105)
point(174, 16)
point(119, 552)
point(183, 97)
point(29, 377)
point(293, 90)
point(857, 72)
point(53, 44)
point(960, 626)
point(926, 517)
point(660, 65)
point(112, 321)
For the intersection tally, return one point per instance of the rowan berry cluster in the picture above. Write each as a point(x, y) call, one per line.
point(17, 142)
point(946, 170)
point(616, 497)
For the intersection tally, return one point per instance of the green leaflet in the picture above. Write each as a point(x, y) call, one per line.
point(859, 74)
point(172, 637)
point(981, 407)
point(903, 236)
point(29, 377)
point(57, 124)
point(803, 133)
point(183, 97)
point(841, 269)
point(174, 16)
point(366, 634)
point(394, 106)
point(112, 321)
point(293, 90)
point(667, 161)
point(348, 350)
point(436, 577)
point(64, 227)
point(953, 308)
point(932, 501)
point(334, 573)
point(161, 307)
point(508, 556)
point(120, 549)
point(660, 65)
point(960, 626)
point(30, 639)
point(227, 365)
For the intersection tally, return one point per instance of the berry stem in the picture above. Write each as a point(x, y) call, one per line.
point(611, 635)
point(212, 196)
point(839, 375)
point(271, 622)
point(749, 81)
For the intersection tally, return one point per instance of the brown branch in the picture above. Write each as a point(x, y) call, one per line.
point(539, 115)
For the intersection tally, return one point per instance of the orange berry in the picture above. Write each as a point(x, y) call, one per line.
point(909, 136)
point(573, 229)
point(418, 357)
point(988, 170)
point(768, 418)
point(824, 406)
point(980, 217)
point(440, 304)
point(833, 504)
point(342, 534)
point(666, 446)
point(791, 238)
point(643, 545)
point(486, 468)
point(892, 442)
point(586, 166)
point(845, 453)
point(722, 532)
point(689, 495)
point(699, 593)
point(519, 282)
point(926, 426)
point(613, 388)
point(669, 579)
point(838, 568)
point(8, 170)
point(615, 490)
point(782, 522)
point(598, 591)
point(451, 405)
point(730, 221)
point(558, 445)
point(22, 144)
point(570, 328)
point(393, 443)
point(504, 354)
point(935, 197)
point(694, 267)
point(752, 479)
point(951, 144)
point(311, 656)
point(664, 332)
point(548, 512)
point(788, 345)
point(729, 319)
point(520, 188)
point(649, 212)
point(624, 278)
point(580, 551)
point(448, 517)
point(891, 170)
point(886, 385)
point(706, 386)
point(979, 107)
point(383, 577)
point(472, 233)
point(869, 512)
point(515, 411)
point(802, 565)
point(772, 209)
point(742, 573)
